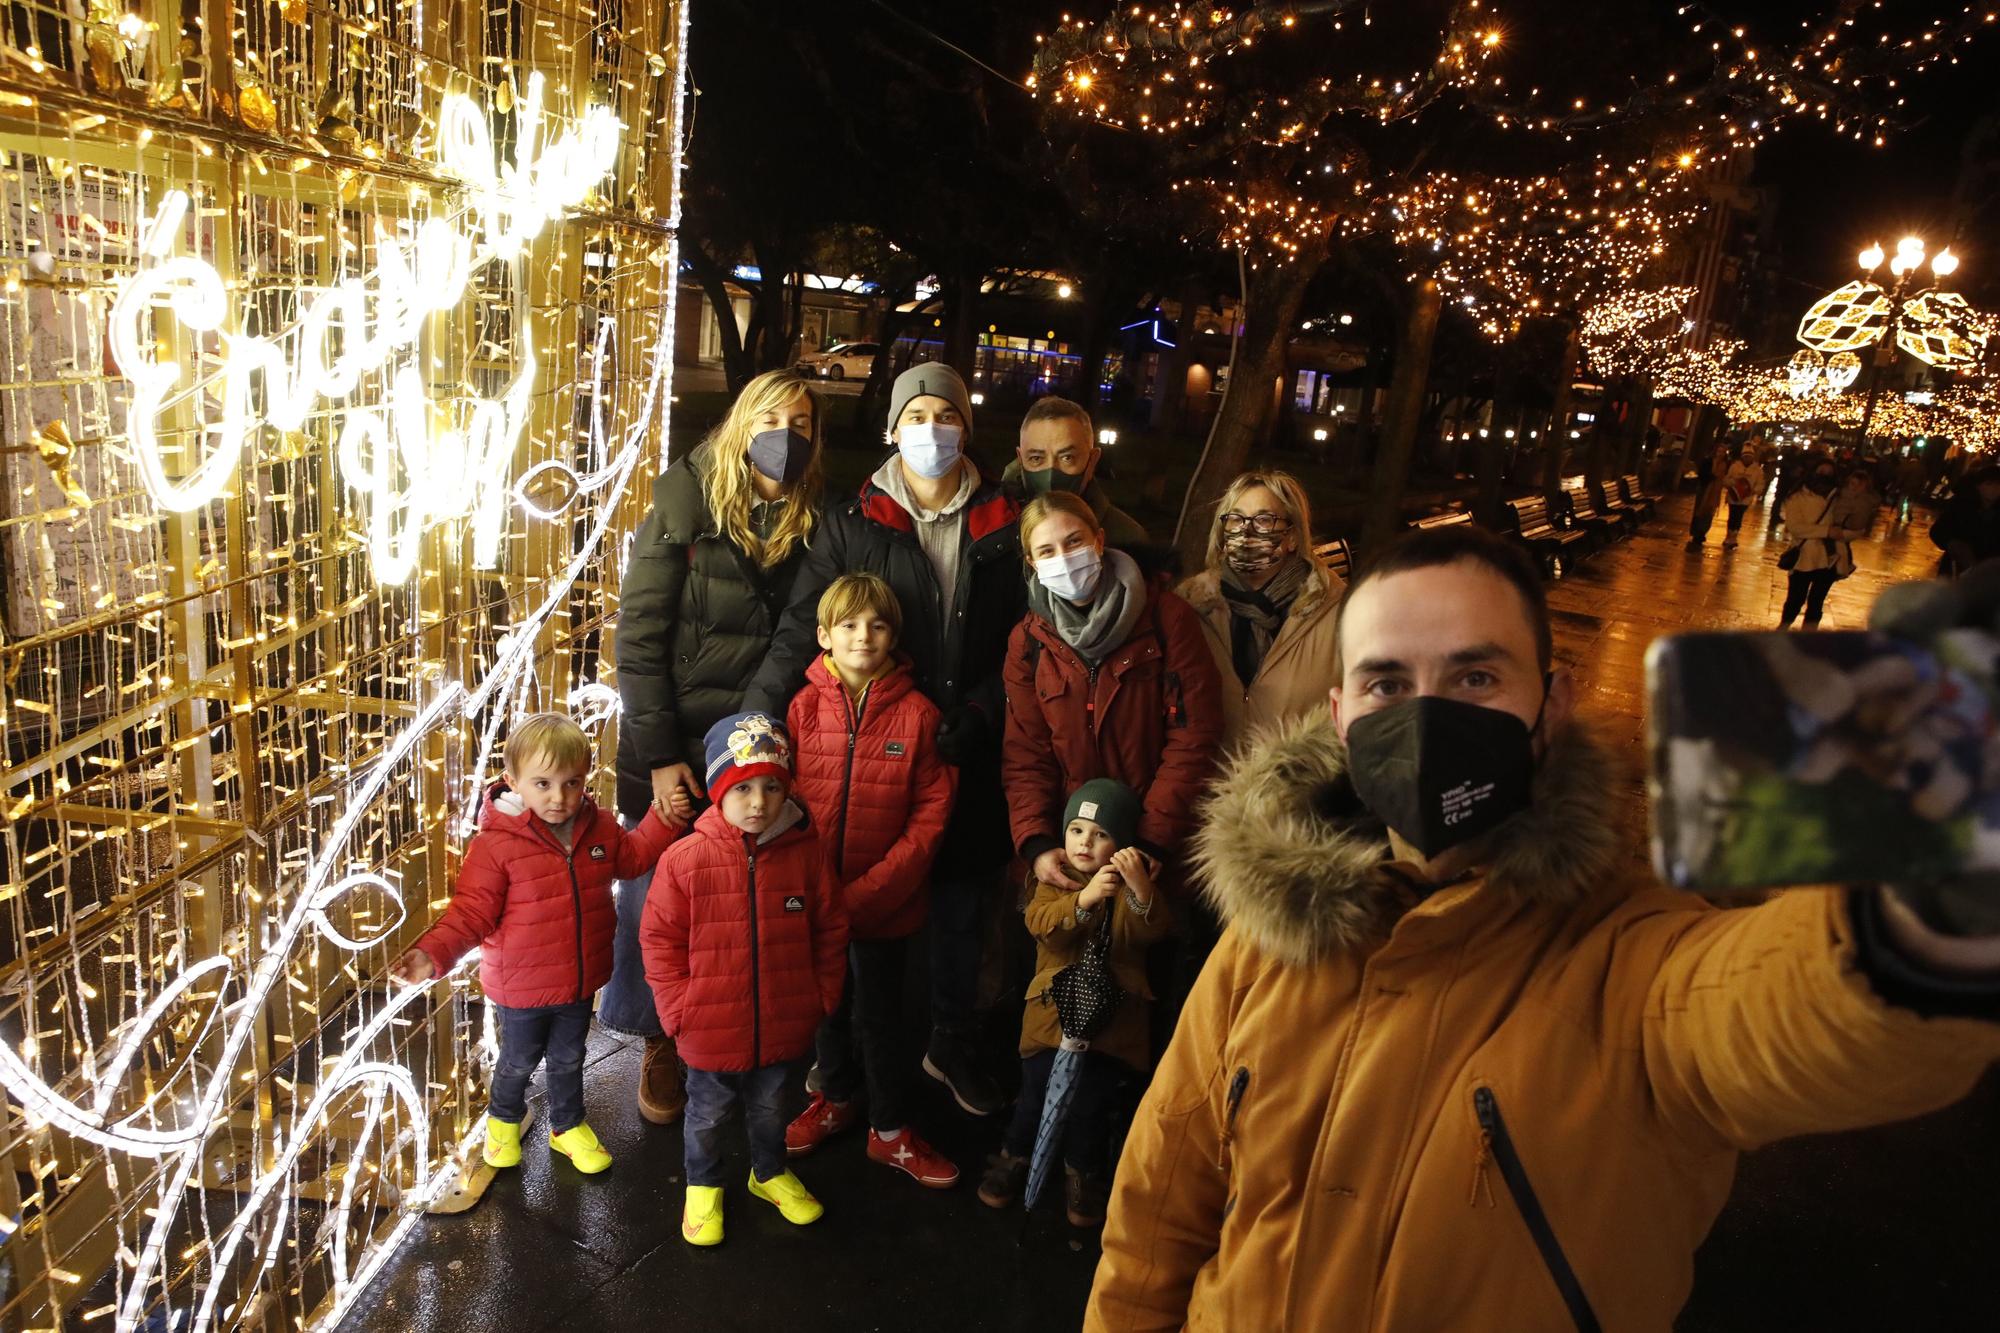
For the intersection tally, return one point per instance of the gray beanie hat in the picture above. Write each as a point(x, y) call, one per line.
point(935, 379)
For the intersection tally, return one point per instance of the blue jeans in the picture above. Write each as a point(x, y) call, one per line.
point(1086, 1130)
point(554, 1036)
point(710, 1098)
point(626, 1002)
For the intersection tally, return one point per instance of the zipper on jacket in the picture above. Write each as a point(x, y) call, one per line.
point(1494, 1129)
point(756, 987)
point(575, 891)
point(1239, 1083)
point(847, 779)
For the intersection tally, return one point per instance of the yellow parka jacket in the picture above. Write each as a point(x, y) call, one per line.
point(1515, 1103)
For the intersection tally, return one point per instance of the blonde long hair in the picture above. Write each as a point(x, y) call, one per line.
point(729, 490)
point(1291, 496)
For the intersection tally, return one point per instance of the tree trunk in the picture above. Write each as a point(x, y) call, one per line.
point(1400, 419)
point(1638, 407)
point(868, 408)
point(961, 344)
point(1556, 438)
point(714, 280)
point(1170, 386)
point(1271, 311)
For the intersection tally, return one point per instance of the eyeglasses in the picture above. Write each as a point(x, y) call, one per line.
point(1264, 525)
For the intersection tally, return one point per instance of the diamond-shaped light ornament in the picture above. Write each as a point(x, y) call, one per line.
point(1842, 369)
point(1935, 328)
point(1801, 371)
point(1843, 320)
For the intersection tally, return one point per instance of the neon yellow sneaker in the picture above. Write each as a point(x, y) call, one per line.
point(701, 1218)
point(794, 1202)
point(580, 1145)
point(503, 1142)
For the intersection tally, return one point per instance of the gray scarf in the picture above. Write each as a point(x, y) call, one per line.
point(1100, 628)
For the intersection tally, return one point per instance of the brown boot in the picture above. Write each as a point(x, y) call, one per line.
point(661, 1096)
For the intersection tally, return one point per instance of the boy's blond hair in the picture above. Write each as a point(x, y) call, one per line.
point(550, 736)
point(851, 594)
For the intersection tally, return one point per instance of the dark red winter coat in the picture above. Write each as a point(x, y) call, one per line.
point(541, 915)
point(745, 944)
point(1150, 716)
point(877, 790)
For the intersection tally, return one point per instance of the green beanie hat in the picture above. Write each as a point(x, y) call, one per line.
point(1111, 805)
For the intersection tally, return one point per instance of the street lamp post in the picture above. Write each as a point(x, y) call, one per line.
point(1909, 259)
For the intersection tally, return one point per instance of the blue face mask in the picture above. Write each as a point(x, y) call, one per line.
point(781, 455)
point(930, 449)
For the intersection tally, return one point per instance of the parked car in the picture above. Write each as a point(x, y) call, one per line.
point(841, 361)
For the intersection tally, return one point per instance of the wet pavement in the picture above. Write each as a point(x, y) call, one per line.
point(1890, 1228)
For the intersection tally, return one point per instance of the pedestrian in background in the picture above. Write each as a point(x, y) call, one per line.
point(1742, 483)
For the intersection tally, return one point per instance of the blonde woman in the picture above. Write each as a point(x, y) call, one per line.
point(1267, 602)
point(712, 568)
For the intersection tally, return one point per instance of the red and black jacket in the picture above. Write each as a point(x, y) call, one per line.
point(956, 641)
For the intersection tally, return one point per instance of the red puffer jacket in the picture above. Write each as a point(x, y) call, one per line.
point(877, 790)
point(745, 946)
point(541, 915)
point(1150, 716)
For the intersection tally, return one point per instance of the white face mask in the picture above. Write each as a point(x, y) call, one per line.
point(1073, 576)
point(931, 449)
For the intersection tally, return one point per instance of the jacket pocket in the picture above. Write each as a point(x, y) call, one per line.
point(1496, 1142)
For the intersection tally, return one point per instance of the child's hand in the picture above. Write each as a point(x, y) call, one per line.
point(1136, 869)
point(414, 968)
point(680, 805)
point(1102, 885)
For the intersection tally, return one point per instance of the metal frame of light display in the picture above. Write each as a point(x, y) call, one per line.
point(336, 335)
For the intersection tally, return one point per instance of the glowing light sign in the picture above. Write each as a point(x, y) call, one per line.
point(380, 315)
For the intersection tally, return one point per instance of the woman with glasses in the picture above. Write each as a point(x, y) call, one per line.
point(1267, 603)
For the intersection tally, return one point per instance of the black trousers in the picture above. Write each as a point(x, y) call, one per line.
point(1736, 513)
point(863, 1044)
point(1807, 590)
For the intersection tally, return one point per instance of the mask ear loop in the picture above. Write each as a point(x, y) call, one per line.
point(1548, 684)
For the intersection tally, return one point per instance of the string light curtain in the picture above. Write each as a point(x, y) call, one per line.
point(336, 341)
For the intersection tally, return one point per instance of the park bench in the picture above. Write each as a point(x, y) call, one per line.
point(1450, 517)
point(1584, 513)
point(1338, 557)
point(1535, 527)
point(1628, 486)
point(1613, 505)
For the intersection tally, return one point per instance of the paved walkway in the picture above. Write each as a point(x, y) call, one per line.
point(1884, 1229)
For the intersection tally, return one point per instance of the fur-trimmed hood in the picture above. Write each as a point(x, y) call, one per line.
point(1287, 853)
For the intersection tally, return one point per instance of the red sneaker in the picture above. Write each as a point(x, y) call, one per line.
point(820, 1121)
point(914, 1158)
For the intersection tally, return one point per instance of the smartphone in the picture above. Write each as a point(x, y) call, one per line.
point(1849, 758)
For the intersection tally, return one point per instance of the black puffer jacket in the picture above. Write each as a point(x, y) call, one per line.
point(955, 660)
point(696, 615)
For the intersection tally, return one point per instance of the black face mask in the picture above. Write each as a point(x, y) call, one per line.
point(781, 455)
point(1043, 480)
point(1441, 772)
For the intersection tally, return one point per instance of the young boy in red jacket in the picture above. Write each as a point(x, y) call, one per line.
point(744, 943)
point(869, 770)
point(534, 896)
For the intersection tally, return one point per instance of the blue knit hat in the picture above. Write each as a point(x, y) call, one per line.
point(748, 745)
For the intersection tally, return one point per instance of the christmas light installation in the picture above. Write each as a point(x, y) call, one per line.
point(245, 726)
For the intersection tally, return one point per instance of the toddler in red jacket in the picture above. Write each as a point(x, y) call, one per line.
point(534, 897)
point(869, 770)
point(744, 943)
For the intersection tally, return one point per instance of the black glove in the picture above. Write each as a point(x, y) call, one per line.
point(961, 734)
point(1918, 613)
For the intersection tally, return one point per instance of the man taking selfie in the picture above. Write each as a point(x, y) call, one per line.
point(1449, 1068)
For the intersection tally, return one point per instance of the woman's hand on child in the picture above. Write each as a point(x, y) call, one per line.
point(414, 968)
point(1136, 869)
point(1052, 867)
